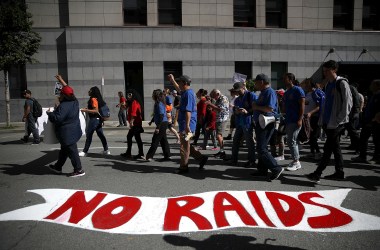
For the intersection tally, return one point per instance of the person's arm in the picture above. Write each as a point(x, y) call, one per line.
point(301, 111)
point(60, 79)
point(175, 84)
point(264, 109)
point(26, 112)
point(94, 110)
point(188, 118)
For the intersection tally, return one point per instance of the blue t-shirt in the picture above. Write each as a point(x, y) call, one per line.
point(188, 104)
point(267, 97)
point(159, 109)
point(329, 100)
point(245, 101)
point(292, 99)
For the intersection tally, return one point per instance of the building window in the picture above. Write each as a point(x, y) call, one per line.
point(17, 81)
point(244, 13)
point(169, 12)
point(343, 14)
point(135, 12)
point(276, 13)
point(174, 68)
point(278, 70)
point(371, 15)
point(244, 68)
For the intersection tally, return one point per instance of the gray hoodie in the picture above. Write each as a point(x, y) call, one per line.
point(341, 106)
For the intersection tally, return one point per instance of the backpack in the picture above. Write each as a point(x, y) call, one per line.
point(37, 108)
point(354, 94)
point(104, 112)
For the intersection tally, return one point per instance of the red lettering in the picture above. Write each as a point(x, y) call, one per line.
point(175, 212)
point(80, 208)
point(295, 212)
point(220, 209)
point(336, 218)
point(103, 217)
point(256, 203)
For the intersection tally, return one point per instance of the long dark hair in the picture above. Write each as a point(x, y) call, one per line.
point(134, 96)
point(95, 93)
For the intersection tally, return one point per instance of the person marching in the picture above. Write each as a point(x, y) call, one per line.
point(95, 123)
point(161, 120)
point(122, 105)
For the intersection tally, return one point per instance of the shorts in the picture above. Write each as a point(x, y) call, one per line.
point(220, 127)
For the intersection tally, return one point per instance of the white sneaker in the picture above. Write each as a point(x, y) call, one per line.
point(280, 158)
point(82, 154)
point(106, 152)
point(293, 166)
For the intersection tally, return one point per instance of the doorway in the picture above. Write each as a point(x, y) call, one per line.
point(134, 79)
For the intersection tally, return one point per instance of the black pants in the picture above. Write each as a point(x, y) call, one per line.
point(198, 132)
point(70, 151)
point(161, 138)
point(368, 130)
point(332, 145)
point(314, 134)
point(135, 131)
point(352, 131)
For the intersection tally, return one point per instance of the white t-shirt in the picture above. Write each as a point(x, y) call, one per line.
point(310, 104)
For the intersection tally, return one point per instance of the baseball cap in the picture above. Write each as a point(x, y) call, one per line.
point(174, 91)
point(237, 86)
point(262, 77)
point(67, 91)
point(184, 78)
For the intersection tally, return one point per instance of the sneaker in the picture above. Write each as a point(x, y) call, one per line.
point(280, 158)
point(35, 143)
point(359, 160)
point(106, 152)
point(313, 177)
point(82, 154)
point(214, 149)
point(148, 159)
point(125, 155)
point(138, 157)
point(55, 169)
point(335, 176)
point(276, 172)
point(76, 173)
point(24, 139)
point(202, 163)
point(182, 170)
point(293, 166)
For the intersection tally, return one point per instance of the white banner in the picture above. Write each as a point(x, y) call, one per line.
point(315, 211)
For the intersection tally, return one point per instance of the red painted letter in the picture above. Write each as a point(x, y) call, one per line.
point(336, 218)
point(220, 209)
point(103, 217)
point(295, 212)
point(256, 203)
point(80, 208)
point(174, 213)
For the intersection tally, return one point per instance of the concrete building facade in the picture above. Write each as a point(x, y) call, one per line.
point(90, 42)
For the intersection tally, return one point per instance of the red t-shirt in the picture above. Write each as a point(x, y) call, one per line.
point(123, 100)
point(134, 110)
point(201, 109)
point(211, 119)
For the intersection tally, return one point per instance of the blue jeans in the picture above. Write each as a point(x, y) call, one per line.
point(292, 131)
point(32, 129)
point(94, 125)
point(248, 136)
point(121, 116)
point(266, 160)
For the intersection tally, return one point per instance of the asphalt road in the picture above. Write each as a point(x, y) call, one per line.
point(22, 168)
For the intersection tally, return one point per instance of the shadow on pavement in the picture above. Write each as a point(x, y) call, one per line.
point(35, 167)
point(222, 241)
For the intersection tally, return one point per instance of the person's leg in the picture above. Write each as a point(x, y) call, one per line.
point(364, 137)
point(33, 129)
point(248, 135)
point(197, 133)
point(130, 135)
point(72, 151)
point(213, 138)
point(266, 160)
point(352, 132)
point(338, 158)
point(327, 151)
point(99, 132)
point(236, 144)
point(165, 145)
point(62, 157)
point(120, 116)
point(91, 127)
point(157, 139)
point(313, 140)
point(123, 117)
point(207, 134)
point(219, 134)
point(292, 131)
point(174, 132)
point(139, 142)
point(376, 141)
point(272, 144)
point(185, 153)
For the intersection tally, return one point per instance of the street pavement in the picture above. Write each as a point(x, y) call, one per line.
point(23, 168)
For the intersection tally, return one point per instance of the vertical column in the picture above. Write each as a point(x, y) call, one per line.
point(152, 12)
